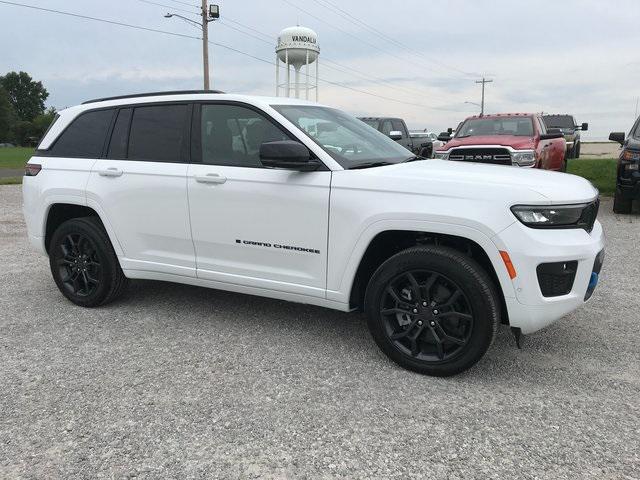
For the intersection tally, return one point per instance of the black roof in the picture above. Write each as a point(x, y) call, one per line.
point(151, 94)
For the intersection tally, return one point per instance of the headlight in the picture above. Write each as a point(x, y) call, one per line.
point(557, 216)
point(526, 158)
point(442, 155)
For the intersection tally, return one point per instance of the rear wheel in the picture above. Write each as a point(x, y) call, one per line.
point(432, 310)
point(576, 151)
point(620, 204)
point(83, 263)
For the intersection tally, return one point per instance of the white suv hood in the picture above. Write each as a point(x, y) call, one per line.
point(511, 185)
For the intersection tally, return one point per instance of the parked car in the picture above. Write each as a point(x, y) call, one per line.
point(7, 145)
point(571, 130)
point(396, 129)
point(627, 173)
point(249, 194)
point(520, 139)
point(428, 140)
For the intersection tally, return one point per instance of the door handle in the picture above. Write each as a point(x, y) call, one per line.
point(210, 178)
point(110, 172)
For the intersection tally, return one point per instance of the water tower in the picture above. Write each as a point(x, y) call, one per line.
point(297, 47)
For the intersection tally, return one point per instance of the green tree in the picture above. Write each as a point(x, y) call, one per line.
point(42, 122)
point(26, 95)
point(7, 117)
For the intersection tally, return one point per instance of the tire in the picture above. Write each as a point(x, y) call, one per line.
point(447, 335)
point(576, 150)
point(563, 166)
point(83, 263)
point(621, 205)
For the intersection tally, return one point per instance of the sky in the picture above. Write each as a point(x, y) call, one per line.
point(415, 59)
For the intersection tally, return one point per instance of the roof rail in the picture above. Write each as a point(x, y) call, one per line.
point(151, 94)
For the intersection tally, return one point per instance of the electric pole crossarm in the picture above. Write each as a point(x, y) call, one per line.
point(483, 82)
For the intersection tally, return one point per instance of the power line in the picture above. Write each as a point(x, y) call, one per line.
point(185, 3)
point(344, 14)
point(221, 45)
point(171, 7)
point(328, 62)
point(388, 52)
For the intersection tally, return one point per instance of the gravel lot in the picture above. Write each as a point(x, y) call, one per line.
point(177, 381)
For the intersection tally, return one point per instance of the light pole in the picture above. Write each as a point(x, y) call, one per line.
point(476, 104)
point(209, 13)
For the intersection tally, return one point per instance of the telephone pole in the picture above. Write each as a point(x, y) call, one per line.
point(209, 13)
point(483, 81)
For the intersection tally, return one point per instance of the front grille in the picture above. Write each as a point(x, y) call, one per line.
point(557, 278)
point(589, 215)
point(495, 156)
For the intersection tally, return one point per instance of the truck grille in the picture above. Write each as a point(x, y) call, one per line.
point(496, 156)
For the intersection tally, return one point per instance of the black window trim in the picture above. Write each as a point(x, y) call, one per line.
point(196, 131)
point(48, 153)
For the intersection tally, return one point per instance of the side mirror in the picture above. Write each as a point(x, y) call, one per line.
point(552, 133)
point(617, 137)
point(444, 136)
point(584, 127)
point(449, 130)
point(395, 135)
point(287, 154)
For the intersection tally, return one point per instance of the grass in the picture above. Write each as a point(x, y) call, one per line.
point(599, 171)
point(11, 181)
point(14, 157)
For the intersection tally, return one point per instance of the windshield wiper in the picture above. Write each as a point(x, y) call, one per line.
point(413, 159)
point(463, 136)
point(370, 164)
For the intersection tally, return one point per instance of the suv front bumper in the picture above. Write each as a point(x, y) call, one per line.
point(528, 248)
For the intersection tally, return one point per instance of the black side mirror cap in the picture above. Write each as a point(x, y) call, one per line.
point(449, 130)
point(584, 127)
point(287, 154)
point(617, 137)
point(444, 136)
point(552, 133)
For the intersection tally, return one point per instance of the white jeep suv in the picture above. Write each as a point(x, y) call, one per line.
point(297, 201)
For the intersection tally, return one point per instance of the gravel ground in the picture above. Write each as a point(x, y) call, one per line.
point(177, 381)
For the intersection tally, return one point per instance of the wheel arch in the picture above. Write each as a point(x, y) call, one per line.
point(59, 212)
point(387, 243)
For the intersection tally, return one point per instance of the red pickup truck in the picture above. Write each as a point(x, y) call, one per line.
point(519, 139)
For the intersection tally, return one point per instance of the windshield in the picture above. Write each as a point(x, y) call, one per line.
point(349, 141)
point(558, 121)
point(475, 127)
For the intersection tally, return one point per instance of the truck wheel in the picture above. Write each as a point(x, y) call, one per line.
point(83, 263)
point(432, 310)
point(621, 205)
point(576, 151)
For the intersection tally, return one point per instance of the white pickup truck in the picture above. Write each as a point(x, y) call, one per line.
point(297, 201)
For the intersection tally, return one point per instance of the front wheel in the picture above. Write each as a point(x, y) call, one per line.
point(83, 263)
point(432, 310)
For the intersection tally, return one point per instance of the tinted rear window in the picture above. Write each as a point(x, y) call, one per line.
point(85, 136)
point(157, 133)
point(558, 121)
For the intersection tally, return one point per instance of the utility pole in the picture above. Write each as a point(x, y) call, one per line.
point(209, 13)
point(205, 43)
point(483, 81)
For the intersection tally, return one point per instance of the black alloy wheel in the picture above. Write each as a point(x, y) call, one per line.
point(432, 309)
point(78, 264)
point(83, 263)
point(426, 315)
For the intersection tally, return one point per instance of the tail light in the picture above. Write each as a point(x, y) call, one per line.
point(32, 169)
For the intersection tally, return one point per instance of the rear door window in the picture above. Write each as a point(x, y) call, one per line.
point(85, 136)
point(157, 133)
